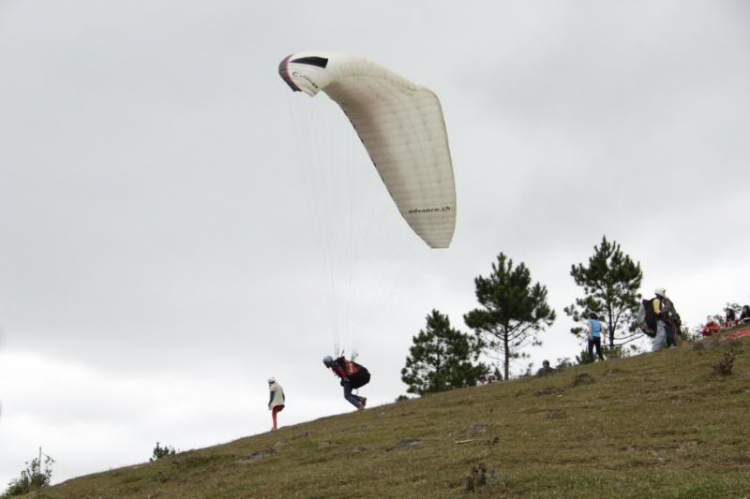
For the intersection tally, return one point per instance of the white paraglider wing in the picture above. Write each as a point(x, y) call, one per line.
point(402, 127)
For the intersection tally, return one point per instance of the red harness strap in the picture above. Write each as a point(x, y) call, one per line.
point(346, 370)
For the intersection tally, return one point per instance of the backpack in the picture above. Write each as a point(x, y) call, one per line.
point(645, 319)
point(359, 376)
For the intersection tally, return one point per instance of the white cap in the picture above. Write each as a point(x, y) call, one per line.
point(272, 380)
point(660, 292)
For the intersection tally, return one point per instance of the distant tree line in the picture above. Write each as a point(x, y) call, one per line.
point(512, 315)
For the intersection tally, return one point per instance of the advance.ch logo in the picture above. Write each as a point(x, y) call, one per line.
point(430, 210)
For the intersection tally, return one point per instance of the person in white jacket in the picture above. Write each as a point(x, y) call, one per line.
point(276, 403)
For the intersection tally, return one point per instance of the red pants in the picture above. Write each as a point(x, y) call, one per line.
point(274, 412)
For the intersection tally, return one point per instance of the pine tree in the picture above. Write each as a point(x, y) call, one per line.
point(513, 311)
point(610, 283)
point(442, 358)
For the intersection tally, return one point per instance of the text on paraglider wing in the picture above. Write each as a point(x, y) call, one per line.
point(304, 77)
point(429, 210)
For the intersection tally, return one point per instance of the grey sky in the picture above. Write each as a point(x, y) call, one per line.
point(157, 256)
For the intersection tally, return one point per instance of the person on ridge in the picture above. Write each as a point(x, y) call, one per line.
point(276, 403)
point(352, 376)
point(594, 337)
point(545, 370)
point(667, 321)
point(731, 318)
point(745, 315)
point(712, 327)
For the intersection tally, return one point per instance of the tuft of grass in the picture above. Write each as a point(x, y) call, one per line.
point(556, 414)
point(726, 363)
point(583, 379)
point(699, 347)
point(479, 478)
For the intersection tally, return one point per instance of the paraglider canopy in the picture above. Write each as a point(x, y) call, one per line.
point(402, 128)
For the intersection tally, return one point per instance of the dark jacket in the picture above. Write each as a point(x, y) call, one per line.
point(666, 312)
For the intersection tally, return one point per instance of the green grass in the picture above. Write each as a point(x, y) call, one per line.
point(657, 425)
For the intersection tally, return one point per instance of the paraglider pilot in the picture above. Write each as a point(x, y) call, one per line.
point(352, 376)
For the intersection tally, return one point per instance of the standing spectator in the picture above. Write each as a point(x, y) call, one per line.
point(276, 403)
point(745, 315)
point(594, 337)
point(731, 318)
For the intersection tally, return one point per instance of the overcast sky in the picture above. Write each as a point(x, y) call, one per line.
point(159, 257)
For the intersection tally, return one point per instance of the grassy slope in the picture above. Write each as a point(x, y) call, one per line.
point(656, 425)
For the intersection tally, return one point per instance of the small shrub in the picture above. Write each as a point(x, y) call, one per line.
point(32, 478)
point(563, 363)
point(734, 345)
point(162, 452)
point(583, 358)
point(685, 334)
point(726, 363)
point(583, 379)
point(479, 478)
point(614, 352)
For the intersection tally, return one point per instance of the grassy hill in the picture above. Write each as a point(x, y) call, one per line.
point(666, 424)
